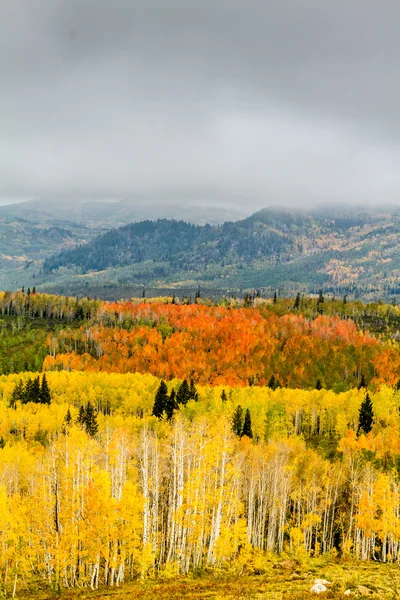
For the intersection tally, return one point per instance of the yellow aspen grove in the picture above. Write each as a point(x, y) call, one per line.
point(128, 494)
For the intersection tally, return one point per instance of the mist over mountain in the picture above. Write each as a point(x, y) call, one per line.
point(94, 213)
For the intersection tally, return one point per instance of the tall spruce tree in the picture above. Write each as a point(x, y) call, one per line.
point(237, 421)
point(91, 420)
point(194, 394)
point(161, 400)
point(362, 383)
point(366, 415)
point(183, 396)
point(296, 304)
point(247, 424)
point(68, 417)
point(224, 397)
point(320, 302)
point(81, 416)
point(32, 390)
point(66, 422)
point(45, 395)
point(171, 405)
point(18, 394)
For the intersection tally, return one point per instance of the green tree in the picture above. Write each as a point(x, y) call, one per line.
point(194, 394)
point(237, 421)
point(320, 301)
point(45, 395)
point(18, 394)
point(32, 390)
point(247, 424)
point(318, 385)
point(91, 420)
point(362, 383)
point(81, 416)
point(366, 415)
point(296, 304)
point(161, 400)
point(171, 405)
point(183, 396)
point(68, 417)
point(224, 397)
point(66, 422)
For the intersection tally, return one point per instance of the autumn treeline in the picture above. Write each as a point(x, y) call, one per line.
point(297, 342)
point(219, 345)
point(146, 495)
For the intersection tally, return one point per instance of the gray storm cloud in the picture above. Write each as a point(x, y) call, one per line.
point(258, 101)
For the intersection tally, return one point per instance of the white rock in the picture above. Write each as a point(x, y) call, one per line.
point(317, 588)
point(348, 593)
point(322, 582)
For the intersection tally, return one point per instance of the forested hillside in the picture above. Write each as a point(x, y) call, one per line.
point(296, 342)
point(354, 253)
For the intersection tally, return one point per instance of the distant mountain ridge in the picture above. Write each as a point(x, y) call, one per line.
point(273, 248)
point(106, 214)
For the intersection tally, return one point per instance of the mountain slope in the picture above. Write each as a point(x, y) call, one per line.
point(186, 246)
point(22, 241)
point(357, 252)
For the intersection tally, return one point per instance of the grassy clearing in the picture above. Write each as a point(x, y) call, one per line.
point(289, 580)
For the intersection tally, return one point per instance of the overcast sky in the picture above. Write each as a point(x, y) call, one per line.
point(253, 102)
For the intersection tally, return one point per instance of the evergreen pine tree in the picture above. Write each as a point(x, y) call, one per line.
point(161, 400)
point(398, 385)
point(171, 405)
point(275, 298)
point(296, 304)
point(81, 419)
point(318, 385)
point(194, 394)
point(320, 301)
point(91, 420)
point(32, 390)
point(362, 383)
point(247, 424)
point(237, 421)
point(183, 395)
point(45, 395)
point(272, 383)
point(18, 394)
point(366, 415)
point(68, 417)
point(28, 391)
point(224, 397)
point(66, 422)
point(2, 442)
point(35, 390)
